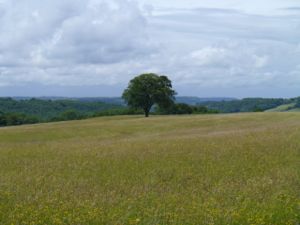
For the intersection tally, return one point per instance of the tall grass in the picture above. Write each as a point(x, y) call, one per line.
point(212, 169)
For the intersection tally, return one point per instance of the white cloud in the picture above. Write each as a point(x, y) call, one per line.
point(106, 42)
point(65, 35)
point(209, 56)
point(260, 61)
point(269, 7)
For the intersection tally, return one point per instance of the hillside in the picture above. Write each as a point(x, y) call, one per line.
point(283, 108)
point(196, 100)
point(292, 106)
point(212, 169)
point(245, 105)
point(49, 107)
point(46, 108)
point(119, 101)
point(254, 105)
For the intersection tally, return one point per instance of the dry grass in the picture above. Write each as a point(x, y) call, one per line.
point(220, 169)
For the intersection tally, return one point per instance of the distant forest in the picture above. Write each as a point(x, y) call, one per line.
point(17, 111)
point(248, 104)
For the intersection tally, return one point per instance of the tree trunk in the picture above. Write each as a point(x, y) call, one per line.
point(146, 113)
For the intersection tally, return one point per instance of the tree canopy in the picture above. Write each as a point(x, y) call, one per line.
point(146, 90)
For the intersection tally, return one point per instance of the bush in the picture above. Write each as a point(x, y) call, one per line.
point(12, 119)
point(182, 108)
point(71, 115)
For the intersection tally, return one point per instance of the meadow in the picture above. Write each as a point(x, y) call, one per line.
point(202, 169)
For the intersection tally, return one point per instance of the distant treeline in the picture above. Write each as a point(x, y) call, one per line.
point(31, 111)
point(297, 101)
point(13, 119)
point(249, 104)
point(45, 110)
point(182, 108)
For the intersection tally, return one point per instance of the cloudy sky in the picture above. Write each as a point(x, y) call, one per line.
point(208, 48)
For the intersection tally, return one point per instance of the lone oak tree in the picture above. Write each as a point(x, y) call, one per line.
point(148, 89)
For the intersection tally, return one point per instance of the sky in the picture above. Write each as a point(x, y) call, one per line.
point(208, 48)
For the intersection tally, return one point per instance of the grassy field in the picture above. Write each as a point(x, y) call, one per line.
point(215, 169)
point(283, 108)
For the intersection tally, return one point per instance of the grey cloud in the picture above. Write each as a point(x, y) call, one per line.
point(227, 48)
point(217, 23)
point(101, 35)
point(94, 32)
point(70, 42)
point(101, 42)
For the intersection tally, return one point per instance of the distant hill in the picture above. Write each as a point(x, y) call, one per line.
point(283, 108)
point(292, 105)
point(47, 108)
point(255, 105)
point(51, 106)
point(196, 100)
point(119, 101)
point(108, 100)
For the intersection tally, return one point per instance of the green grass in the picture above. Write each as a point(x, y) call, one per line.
point(295, 110)
point(215, 169)
point(283, 108)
